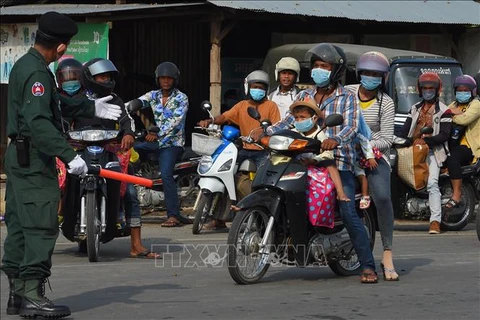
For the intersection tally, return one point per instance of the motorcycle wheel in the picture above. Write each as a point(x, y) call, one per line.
point(468, 199)
point(246, 263)
point(349, 267)
point(93, 226)
point(201, 213)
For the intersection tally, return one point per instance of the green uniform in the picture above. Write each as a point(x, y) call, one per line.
point(32, 194)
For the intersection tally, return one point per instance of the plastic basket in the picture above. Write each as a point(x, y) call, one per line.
point(205, 145)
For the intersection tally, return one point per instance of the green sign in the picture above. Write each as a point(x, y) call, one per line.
point(90, 42)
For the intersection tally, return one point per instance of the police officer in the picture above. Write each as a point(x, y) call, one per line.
point(32, 193)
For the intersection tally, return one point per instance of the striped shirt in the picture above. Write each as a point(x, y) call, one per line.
point(344, 103)
point(380, 118)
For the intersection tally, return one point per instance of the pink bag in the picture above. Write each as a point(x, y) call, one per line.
point(321, 197)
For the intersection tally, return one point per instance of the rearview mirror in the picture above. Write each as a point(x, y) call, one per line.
point(426, 130)
point(206, 105)
point(253, 113)
point(134, 105)
point(334, 120)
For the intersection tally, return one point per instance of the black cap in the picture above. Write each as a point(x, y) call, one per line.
point(55, 26)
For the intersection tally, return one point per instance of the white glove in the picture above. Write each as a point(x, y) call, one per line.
point(106, 110)
point(77, 166)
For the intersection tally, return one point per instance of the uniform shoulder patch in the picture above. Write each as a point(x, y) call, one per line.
point(38, 89)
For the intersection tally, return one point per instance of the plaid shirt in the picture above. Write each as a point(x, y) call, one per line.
point(344, 103)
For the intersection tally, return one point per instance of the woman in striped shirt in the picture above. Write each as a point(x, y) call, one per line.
point(379, 112)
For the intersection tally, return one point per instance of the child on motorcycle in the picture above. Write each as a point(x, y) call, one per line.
point(306, 114)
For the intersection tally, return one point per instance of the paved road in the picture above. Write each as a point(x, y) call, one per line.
point(440, 279)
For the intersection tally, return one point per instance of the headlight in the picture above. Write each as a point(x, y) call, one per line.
point(111, 134)
point(95, 149)
point(279, 142)
point(93, 135)
point(75, 135)
point(205, 164)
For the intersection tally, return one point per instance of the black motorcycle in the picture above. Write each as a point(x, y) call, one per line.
point(272, 225)
point(413, 204)
point(91, 204)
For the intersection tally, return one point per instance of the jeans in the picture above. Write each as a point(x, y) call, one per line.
point(132, 209)
point(166, 160)
point(257, 156)
point(354, 224)
point(379, 185)
point(144, 148)
point(434, 195)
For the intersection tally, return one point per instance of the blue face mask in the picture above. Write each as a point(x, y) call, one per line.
point(463, 96)
point(429, 95)
point(257, 94)
point(71, 87)
point(370, 83)
point(321, 77)
point(304, 126)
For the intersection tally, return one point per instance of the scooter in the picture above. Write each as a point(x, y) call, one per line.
point(91, 204)
point(222, 181)
point(413, 204)
point(272, 224)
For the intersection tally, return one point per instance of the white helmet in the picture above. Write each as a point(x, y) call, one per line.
point(259, 76)
point(287, 63)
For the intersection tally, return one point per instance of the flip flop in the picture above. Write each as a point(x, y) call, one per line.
point(171, 223)
point(451, 203)
point(147, 254)
point(368, 276)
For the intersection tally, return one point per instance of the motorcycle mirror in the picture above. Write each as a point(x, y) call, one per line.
point(265, 123)
point(154, 129)
point(253, 113)
point(426, 130)
point(206, 105)
point(134, 105)
point(334, 120)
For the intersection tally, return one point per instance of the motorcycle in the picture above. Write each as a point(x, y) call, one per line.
point(222, 181)
point(413, 204)
point(185, 171)
point(92, 204)
point(272, 224)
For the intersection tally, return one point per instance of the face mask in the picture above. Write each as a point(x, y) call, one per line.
point(71, 87)
point(429, 95)
point(304, 126)
point(321, 77)
point(257, 94)
point(463, 96)
point(370, 83)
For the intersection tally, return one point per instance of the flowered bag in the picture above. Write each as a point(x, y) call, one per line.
point(321, 197)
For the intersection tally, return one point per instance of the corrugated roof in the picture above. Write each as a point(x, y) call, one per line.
point(72, 9)
point(416, 11)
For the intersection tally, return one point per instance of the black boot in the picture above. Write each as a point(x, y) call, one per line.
point(15, 296)
point(35, 303)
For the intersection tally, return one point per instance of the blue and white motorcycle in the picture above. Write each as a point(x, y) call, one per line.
point(222, 182)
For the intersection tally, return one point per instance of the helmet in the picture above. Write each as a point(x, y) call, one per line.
point(254, 77)
point(327, 52)
point(429, 78)
point(67, 70)
point(95, 67)
point(467, 81)
point(287, 63)
point(373, 61)
point(167, 69)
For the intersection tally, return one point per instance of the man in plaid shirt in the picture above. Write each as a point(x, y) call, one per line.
point(328, 63)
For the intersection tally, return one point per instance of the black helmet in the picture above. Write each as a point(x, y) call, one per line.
point(329, 53)
point(167, 69)
point(95, 67)
point(68, 70)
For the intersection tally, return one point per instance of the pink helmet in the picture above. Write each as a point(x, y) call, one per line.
point(467, 81)
point(373, 61)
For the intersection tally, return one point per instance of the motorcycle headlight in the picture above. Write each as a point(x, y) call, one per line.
point(279, 142)
point(226, 166)
point(205, 164)
point(111, 134)
point(93, 135)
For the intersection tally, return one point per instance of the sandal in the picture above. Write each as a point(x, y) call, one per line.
point(364, 202)
point(171, 223)
point(451, 203)
point(368, 276)
point(393, 274)
point(215, 225)
point(147, 254)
